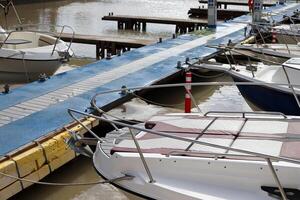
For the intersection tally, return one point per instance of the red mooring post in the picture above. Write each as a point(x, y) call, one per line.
point(188, 102)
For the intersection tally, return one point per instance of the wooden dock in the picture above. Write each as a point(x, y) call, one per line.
point(222, 14)
point(112, 45)
point(238, 3)
point(140, 22)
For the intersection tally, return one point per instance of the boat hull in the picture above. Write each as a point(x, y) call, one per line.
point(268, 98)
point(179, 177)
point(22, 71)
point(287, 39)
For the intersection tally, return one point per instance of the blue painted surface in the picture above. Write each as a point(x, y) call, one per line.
point(55, 116)
point(270, 99)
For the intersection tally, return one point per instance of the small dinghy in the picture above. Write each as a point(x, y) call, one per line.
point(273, 88)
point(214, 156)
point(25, 56)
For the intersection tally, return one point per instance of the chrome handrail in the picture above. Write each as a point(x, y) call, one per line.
point(163, 134)
point(291, 86)
point(268, 158)
point(244, 113)
point(63, 27)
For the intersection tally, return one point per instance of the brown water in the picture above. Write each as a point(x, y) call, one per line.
point(85, 17)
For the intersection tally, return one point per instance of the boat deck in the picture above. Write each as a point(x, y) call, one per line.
point(36, 109)
point(272, 135)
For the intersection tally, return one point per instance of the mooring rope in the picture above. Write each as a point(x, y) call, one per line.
point(156, 103)
point(208, 76)
point(122, 178)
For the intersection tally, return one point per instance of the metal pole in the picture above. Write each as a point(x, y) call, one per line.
point(142, 157)
point(212, 13)
point(291, 86)
point(276, 179)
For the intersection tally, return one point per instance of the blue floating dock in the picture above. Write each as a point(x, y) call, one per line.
point(39, 108)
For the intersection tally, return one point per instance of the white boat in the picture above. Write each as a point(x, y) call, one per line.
point(212, 157)
point(270, 89)
point(287, 33)
point(26, 55)
point(275, 52)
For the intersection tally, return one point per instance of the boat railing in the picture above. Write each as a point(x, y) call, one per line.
point(269, 158)
point(6, 6)
point(101, 115)
point(58, 36)
point(244, 114)
point(28, 28)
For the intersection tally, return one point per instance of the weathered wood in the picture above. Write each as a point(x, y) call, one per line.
point(158, 20)
point(239, 3)
point(133, 22)
point(106, 42)
point(221, 14)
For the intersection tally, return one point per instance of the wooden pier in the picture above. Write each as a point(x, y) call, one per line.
point(237, 3)
point(222, 14)
point(140, 22)
point(112, 45)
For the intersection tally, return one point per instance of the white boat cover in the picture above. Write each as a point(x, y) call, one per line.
point(271, 136)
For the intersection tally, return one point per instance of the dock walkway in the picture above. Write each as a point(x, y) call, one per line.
point(140, 22)
point(222, 14)
point(111, 44)
point(267, 3)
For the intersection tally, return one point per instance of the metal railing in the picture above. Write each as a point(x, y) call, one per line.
point(268, 158)
point(24, 28)
point(103, 116)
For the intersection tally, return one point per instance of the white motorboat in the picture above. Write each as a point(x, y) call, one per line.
point(212, 157)
point(287, 33)
point(275, 52)
point(274, 88)
point(26, 55)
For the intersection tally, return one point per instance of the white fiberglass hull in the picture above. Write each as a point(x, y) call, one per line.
point(179, 177)
point(26, 56)
point(22, 71)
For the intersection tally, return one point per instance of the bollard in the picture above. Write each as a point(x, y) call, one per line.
point(108, 56)
point(119, 52)
point(6, 89)
point(187, 60)
point(188, 102)
point(179, 66)
point(124, 90)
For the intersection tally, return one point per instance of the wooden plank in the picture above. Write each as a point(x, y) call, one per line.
point(94, 39)
point(221, 14)
point(240, 2)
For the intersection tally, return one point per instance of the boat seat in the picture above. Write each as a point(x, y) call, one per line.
point(268, 136)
